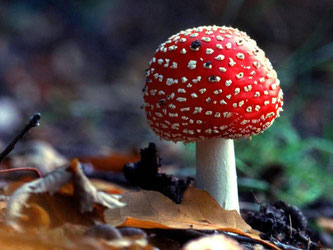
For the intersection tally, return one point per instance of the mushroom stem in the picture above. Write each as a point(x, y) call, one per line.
point(216, 171)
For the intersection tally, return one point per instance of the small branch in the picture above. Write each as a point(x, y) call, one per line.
point(35, 170)
point(33, 122)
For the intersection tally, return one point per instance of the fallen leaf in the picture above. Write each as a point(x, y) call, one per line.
point(198, 210)
point(63, 195)
point(37, 154)
point(150, 209)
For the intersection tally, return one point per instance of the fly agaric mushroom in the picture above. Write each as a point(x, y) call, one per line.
point(211, 85)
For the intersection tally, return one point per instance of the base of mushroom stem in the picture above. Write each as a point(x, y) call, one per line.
point(216, 171)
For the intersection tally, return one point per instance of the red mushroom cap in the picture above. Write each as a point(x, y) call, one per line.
point(209, 82)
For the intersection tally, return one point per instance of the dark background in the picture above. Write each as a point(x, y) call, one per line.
point(81, 64)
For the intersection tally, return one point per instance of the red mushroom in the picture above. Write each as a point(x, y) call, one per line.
point(211, 85)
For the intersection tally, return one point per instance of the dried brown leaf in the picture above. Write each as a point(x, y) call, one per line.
point(149, 209)
point(198, 210)
point(64, 195)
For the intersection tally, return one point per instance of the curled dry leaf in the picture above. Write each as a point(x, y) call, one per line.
point(87, 195)
point(65, 194)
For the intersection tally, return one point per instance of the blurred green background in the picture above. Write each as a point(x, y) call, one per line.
point(81, 64)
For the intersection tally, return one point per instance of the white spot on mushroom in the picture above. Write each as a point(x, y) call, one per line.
point(228, 96)
point(182, 40)
point(218, 91)
point(237, 90)
point(173, 47)
point(189, 85)
point(219, 57)
point(184, 79)
point(160, 61)
point(171, 81)
point(181, 90)
point(194, 34)
point(172, 106)
point(197, 110)
point(197, 79)
point(206, 39)
point(153, 92)
point(207, 65)
point(199, 122)
point(185, 109)
point(239, 75)
point(214, 78)
point(202, 90)
point(257, 94)
point(173, 115)
point(208, 99)
point(274, 100)
point(208, 131)
point(223, 102)
point(262, 79)
point(174, 65)
point(266, 102)
point(222, 69)
point(185, 118)
point(265, 92)
point(239, 42)
point(192, 64)
point(223, 127)
point(257, 108)
point(219, 46)
point(175, 126)
point(194, 95)
point(219, 38)
point(227, 114)
point(231, 62)
point(256, 64)
point(181, 99)
point(158, 114)
point(228, 45)
point(253, 73)
point(241, 103)
point(248, 88)
point(217, 115)
point(240, 56)
point(228, 83)
point(273, 86)
point(249, 109)
point(183, 51)
point(209, 51)
point(234, 105)
point(208, 112)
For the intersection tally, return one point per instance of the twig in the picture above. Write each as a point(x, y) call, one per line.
point(33, 122)
point(35, 170)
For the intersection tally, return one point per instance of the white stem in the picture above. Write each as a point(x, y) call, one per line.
point(216, 171)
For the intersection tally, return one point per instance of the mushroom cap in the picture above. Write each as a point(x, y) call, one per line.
point(209, 82)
